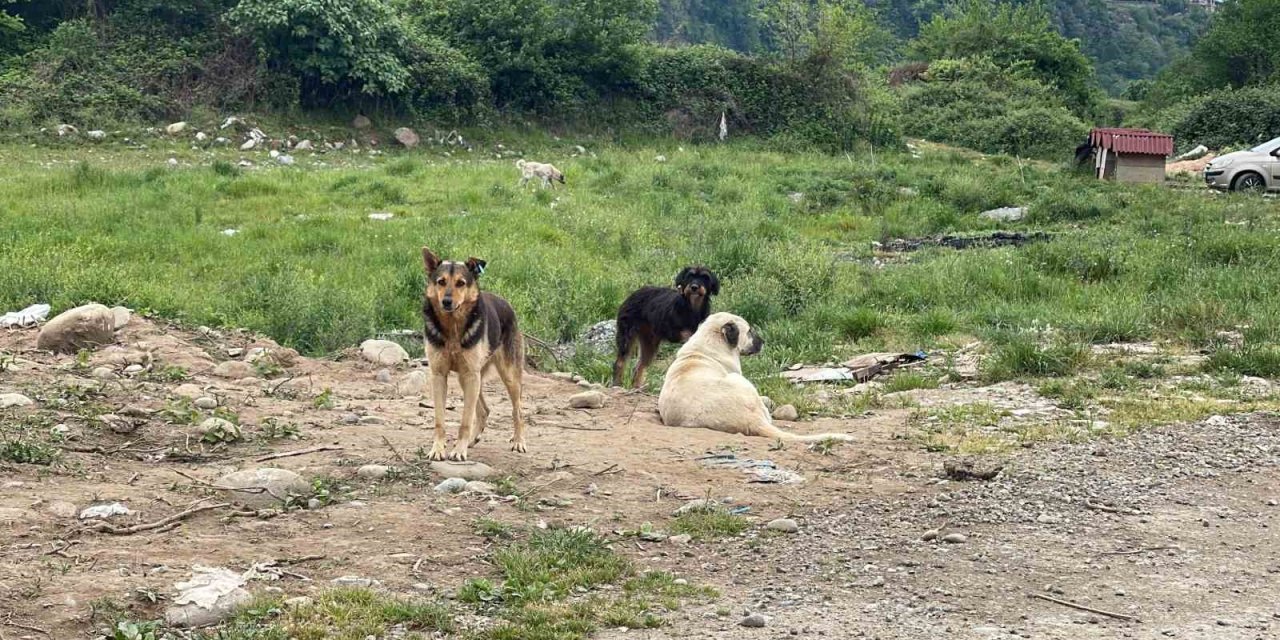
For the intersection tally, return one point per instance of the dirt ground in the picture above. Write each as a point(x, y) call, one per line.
point(1174, 528)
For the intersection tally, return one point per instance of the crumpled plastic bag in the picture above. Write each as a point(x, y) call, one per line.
point(105, 511)
point(29, 317)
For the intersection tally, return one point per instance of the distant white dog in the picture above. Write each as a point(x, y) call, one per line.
point(546, 172)
point(705, 386)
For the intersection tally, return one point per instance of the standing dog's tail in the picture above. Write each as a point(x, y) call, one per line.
point(520, 163)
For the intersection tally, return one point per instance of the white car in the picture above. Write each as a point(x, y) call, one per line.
point(1257, 169)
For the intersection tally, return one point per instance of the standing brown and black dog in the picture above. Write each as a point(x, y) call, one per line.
point(653, 314)
point(470, 332)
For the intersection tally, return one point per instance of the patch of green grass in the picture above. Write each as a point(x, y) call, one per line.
point(28, 452)
point(708, 524)
point(1022, 357)
point(1143, 369)
point(494, 529)
point(1251, 360)
point(908, 381)
point(552, 563)
point(338, 614)
point(1073, 395)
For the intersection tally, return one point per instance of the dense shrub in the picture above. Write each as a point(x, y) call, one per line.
point(1230, 117)
point(978, 104)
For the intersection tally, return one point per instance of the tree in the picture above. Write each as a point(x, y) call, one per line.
point(1241, 45)
point(8, 22)
point(333, 45)
point(1009, 34)
point(846, 33)
point(786, 22)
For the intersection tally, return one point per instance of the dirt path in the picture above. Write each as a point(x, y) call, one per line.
point(857, 568)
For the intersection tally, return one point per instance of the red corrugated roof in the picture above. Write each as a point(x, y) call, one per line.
point(1132, 141)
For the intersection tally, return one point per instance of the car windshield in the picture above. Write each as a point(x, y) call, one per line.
point(1267, 147)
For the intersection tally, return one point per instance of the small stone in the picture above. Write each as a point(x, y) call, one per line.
point(188, 391)
point(383, 352)
point(877, 581)
point(683, 538)
point(350, 418)
point(785, 525)
point(373, 471)
point(480, 487)
point(235, 370)
point(412, 384)
point(219, 430)
point(248, 144)
point(277, 486)
point(201, 136)
point(297, 602)
point(97, 134)
point(652, 536)
point(361, 122)
point(305, 145)
point(173, 162)
point(62, 509)
point(314, 503)
point(452, 485)
point(754, 621)
point(176, 128)
point(383, 376)
point(355, 581)
point(134, 369)
point(285, 159)
point(205, 402)
point(463, 470)
point(930, 535)
point(372, 420)
point(587, 400)
point(955, 538)
point(786, 413)
point(8, 400)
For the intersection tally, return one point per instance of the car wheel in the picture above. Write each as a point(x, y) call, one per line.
point(1249, 183)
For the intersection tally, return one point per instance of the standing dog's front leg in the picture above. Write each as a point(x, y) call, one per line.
point(439, 395)
point(470, 398)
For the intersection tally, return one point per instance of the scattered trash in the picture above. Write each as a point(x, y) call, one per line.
point(381, 216)
point(859, 369)
point(760, 471)
point(230, 232)
point(29, 317)
point(104, 511)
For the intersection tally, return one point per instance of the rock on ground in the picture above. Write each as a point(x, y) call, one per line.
point(176, 128)
point(1005, 214)
point(407, 137)
point(601, 336)
point(373, 471)
point(83, 327)
point(755, 621)
point(9, 400)
point(464, 470)
point(451, 485)
point(361, 122)
point(785, 525)
point(786, 413)
point(383, 352)
point(235, 370)
point(587, 400)
point(274, 486)
point(188, 390)
point(209, 597)
point(413, 384)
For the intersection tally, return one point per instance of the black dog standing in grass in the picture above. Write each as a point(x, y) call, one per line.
point(653, 314)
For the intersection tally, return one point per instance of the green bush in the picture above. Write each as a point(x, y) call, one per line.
point(1230, 117)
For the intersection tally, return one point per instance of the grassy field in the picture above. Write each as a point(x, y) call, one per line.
point(791, 234)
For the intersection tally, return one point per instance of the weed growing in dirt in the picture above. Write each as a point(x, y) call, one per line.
point(1072, 395)
point(1024, 357)
point(552, 563)
point(908, 381)
point(168, 374)
point(324, 400)
point(708, 524)
point(339, 614)
point(494, 529)
point(27, 452)
point(1251, 360)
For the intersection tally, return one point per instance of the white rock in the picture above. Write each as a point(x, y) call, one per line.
point(659, 158)
point(103, 511)
point(220, 429)
point(248, 144)
point(97, 134)
point(786, 413)
point(451, 485)
point(234, 370)
point(463, 470)
point(188, 391)
point(67, 130)
point(103, 373)
point(121, 317)
point(274, 154)
point(201, 136)
point(205, 402)
point(173, 162)
point(373, 471)
point(83, 327)
point(305, 145)
point(481, 487)
point(211, 596)
point(587, 400)
point(286, 160)
point(785, 525)
point(271, 487)
point(176, 128)
point(381, 215)
point(9, 400)
point(383, 352)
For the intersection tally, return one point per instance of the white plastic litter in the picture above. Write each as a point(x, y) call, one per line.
point(230, 232)
point(29, 317)
point(105, 511)
point(381, 216)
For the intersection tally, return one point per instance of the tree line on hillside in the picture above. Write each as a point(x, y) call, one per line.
point(998, 77)
point(1226, 92)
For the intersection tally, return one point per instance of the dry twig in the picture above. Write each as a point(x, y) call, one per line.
point(1110, 614)
point(164, 524)
point(299, 452)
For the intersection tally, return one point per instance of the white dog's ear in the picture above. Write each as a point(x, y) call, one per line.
point(731, 334)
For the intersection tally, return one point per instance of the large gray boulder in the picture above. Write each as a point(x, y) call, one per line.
point(264, 488)
point(383, 352)
point(407, 137)
point(83, 327)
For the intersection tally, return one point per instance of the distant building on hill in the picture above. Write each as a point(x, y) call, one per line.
point(1127, 155)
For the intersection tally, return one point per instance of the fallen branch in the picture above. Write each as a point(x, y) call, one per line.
point(540, 487)
point(219, 487)
point(1137, 551)
point(162, 525)
point(545, 345)
point(299, 452)
point(1109, 509)
point(8, 622)
point(1110, 614)
point(563, 426)
point(392, 447)
point(606, 470)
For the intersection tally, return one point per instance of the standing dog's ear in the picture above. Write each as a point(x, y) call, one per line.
point(430, 260)
point(713, 283)
point(476, 265)
point(730, 332)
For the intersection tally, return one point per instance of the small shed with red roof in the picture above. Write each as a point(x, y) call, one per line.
point(1129, 155)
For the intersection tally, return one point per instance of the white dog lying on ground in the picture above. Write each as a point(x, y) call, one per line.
point(546, 172)
point(705, 387)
